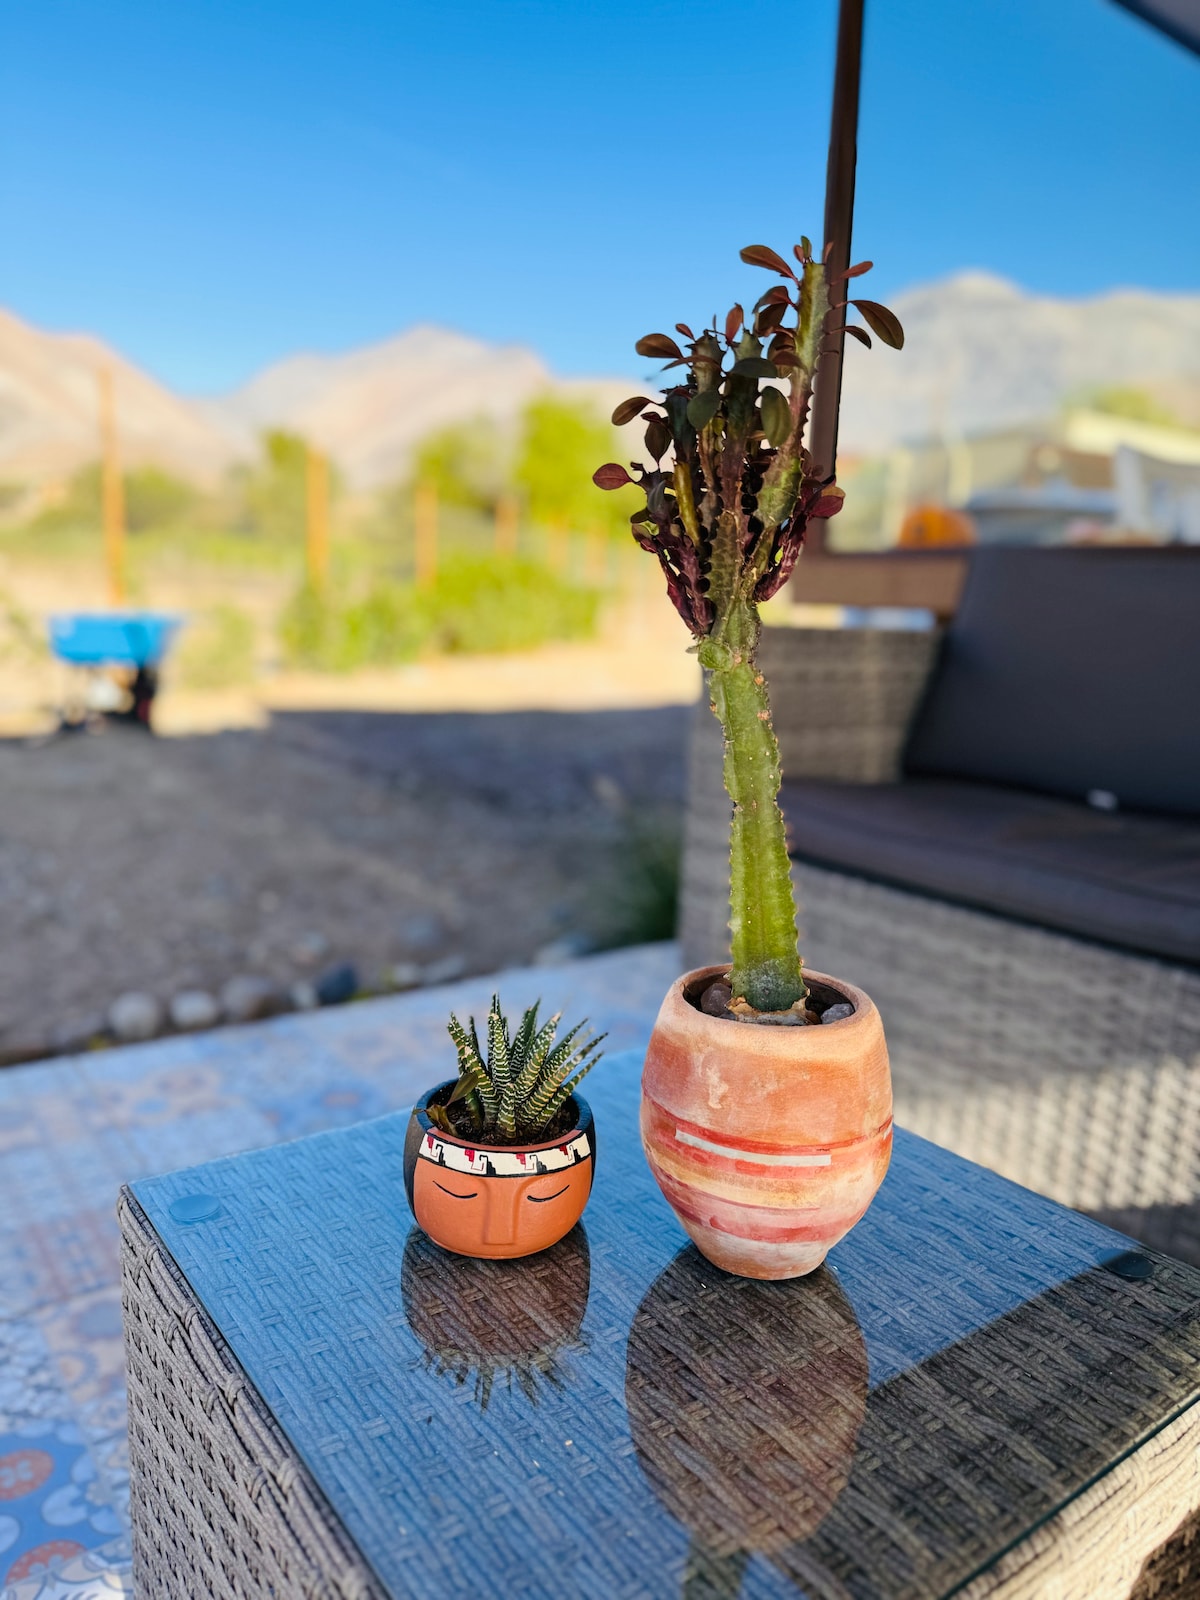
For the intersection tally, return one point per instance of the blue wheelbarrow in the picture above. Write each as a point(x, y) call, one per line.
point(129, 645)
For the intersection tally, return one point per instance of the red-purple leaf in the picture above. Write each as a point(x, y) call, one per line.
point(775, 296)
point(769, 318)
point(628, 409)
point(857, 333)
point(658, 438)
point(761, 255)
point(611, 476)
point(661, 345)
point(852, 272)
point(884, 324)
point(829, 504)
point(733, 323)
point(803, 250)
point(785, 358)
point(682, 327)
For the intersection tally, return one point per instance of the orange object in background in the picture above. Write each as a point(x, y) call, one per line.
point(935, 528)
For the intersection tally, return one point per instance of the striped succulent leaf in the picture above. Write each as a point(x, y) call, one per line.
point(513, 1093)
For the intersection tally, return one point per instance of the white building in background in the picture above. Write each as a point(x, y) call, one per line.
point(1156, 496)
point(1085, 476)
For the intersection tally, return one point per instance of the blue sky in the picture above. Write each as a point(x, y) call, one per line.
point(211, 186)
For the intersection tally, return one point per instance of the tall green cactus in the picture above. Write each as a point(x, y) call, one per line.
point(728, 500)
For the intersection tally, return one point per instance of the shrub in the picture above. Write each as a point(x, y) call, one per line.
point(474, 607)
point(217, 650)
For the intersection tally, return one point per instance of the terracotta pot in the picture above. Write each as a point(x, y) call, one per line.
point(497, 1201)
point(768, 1142)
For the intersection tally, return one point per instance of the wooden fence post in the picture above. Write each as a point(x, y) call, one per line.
point(507, 525)
point(112, 491)
point(316, 507)
point(425, 524)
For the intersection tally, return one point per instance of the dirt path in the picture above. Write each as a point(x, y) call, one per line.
point(432, 839)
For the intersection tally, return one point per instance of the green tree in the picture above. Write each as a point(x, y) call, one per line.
point(156, 499)
point(560, 442)
point(274, 489)
point(1122, 400)
point(465, 462)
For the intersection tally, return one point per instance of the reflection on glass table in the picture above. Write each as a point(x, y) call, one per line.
point(506, 1322)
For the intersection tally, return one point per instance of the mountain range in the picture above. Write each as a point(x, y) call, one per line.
point(980, 353)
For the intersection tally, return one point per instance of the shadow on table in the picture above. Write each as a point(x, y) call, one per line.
point(719, 1371)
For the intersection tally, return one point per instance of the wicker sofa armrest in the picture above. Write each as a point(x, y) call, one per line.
point(844, 698)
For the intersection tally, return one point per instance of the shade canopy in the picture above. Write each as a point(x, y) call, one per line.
point(1178, 18)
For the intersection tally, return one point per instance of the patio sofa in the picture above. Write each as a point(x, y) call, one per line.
point(997, 833)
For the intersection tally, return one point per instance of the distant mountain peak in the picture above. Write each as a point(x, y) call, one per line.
point(981, 354)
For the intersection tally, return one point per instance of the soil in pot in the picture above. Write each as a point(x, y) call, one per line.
point(498, 1201)
point(768, 1142)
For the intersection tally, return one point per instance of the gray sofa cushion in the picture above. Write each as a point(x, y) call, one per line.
point(1128, 880)
point(1072, 670)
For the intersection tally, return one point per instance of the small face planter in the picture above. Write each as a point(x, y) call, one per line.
point(497, 1201)
point(768, 1142)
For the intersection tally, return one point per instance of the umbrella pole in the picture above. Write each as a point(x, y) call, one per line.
point(839, 218)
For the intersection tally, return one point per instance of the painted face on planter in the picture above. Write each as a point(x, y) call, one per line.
point(497, 1203)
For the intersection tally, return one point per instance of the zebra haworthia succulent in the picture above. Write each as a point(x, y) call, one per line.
point(512, 1092)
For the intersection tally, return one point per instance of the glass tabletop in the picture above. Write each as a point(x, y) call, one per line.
point(617, 1417)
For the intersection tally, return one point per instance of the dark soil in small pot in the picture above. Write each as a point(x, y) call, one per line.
point(497, 1201)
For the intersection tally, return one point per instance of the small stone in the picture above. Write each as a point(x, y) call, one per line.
point(77, 1034)
point(134, 1017)
point(838, 1013)
point(309, 948)
point(337, 984)
point(422, 932)
point(444, 971)
point(404, 975)
point(303, 996)
point(192, 1009)
point(714, 1002)
point(247, 997)
point(567, 948)
point(18, 1047)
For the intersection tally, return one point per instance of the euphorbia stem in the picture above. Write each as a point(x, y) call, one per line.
point(766, 962)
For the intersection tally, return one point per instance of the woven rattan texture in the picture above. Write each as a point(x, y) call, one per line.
point(1069, 1067)
point(844, 698)
point(221, 1505)
point(615, 1417)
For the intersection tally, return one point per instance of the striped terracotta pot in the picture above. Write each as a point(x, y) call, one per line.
point(768, 1142)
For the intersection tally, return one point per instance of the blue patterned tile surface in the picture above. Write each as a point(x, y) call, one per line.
point(73, 1130)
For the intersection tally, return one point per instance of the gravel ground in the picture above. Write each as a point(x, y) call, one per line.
point(444, 843)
